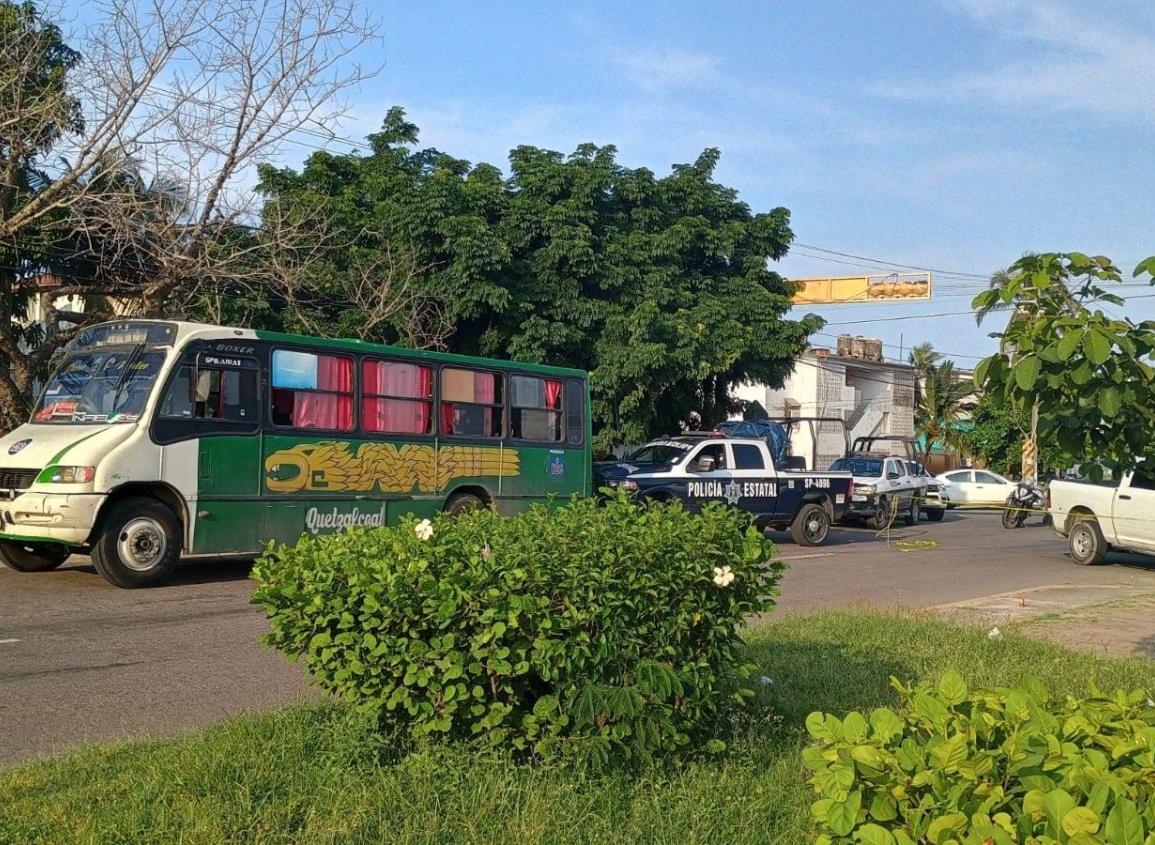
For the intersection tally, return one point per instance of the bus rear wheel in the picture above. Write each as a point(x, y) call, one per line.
point(138, 544)
point(33, 557)
point(463, 503)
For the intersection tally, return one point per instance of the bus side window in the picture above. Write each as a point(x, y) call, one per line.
point(215, 395)
point(536, 408)
point(575, 401)
point(179, 400)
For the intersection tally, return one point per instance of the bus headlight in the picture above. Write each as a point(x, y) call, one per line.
point(72, 475)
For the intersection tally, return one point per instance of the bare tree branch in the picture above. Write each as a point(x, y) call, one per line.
point(127, 172)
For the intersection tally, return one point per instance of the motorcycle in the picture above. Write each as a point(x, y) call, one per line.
point(1025, 500)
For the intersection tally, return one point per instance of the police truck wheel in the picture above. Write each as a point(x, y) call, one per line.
point(881, 518)
point(138, 544)
point(935, 514)
point(32, 557)
point(911, 515)
point(463, 503)
point(811, 526)
point(1087, 545)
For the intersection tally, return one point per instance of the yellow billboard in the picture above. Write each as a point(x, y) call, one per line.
point(893, 287)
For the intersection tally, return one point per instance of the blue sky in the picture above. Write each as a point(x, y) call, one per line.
point(955, 134)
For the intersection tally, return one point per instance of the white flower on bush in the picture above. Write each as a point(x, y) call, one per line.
point(423, 529)
point(486, 552)
point(723, 576)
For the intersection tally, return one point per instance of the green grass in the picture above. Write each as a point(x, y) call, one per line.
point(317, 775)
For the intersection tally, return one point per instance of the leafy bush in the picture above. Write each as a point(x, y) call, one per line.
point(577, 632)
point(988, 767)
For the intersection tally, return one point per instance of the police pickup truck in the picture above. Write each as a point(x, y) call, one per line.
point(739, 471)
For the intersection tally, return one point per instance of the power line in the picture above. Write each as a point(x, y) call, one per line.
point(904, 348)
point(908, 317)
point(963, 274)
point(958, 280)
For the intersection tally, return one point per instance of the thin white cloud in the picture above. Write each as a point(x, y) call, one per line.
point(1060, 58)
point(654, 68)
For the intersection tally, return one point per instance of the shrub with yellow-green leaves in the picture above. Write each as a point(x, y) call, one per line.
point(987, 767)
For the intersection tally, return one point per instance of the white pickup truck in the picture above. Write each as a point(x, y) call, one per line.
point(1096, 518)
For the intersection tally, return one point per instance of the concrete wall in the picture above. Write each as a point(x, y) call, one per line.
point(878, 397)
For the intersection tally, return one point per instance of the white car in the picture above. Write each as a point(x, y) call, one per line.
point(975, 488)
point(934, 498)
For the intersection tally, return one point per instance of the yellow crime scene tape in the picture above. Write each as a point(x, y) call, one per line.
point(925, 545)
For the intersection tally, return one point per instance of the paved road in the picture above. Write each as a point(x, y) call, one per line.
point(83, 661)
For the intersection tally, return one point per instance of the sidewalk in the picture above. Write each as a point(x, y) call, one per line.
point(1109, 619)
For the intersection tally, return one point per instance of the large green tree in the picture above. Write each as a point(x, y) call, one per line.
point(1089, 372)
point(659, 285)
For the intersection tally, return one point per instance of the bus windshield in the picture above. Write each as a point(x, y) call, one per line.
point(109, 385)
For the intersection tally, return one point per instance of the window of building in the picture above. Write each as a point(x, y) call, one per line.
point(748, 456)
point(536, 405)
point(397, 397)
point(312, 391)
point(471, 403)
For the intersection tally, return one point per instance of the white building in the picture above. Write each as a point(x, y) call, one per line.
point(853, 383)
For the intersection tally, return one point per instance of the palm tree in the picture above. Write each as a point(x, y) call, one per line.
point(997, 280)
point(923, 357)
point(938, 406)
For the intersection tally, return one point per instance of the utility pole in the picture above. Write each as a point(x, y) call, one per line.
point(1030, 466)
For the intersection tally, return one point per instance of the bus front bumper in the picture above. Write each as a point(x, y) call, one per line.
point(50, 517)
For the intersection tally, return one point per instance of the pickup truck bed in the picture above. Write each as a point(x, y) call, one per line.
point(1096, 518)
point(739, 472)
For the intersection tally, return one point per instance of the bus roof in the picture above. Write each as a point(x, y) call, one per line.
point(190, 331)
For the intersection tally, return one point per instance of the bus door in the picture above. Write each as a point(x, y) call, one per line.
point(209, 425)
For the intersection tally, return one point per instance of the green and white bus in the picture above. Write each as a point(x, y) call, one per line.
point(156, 439)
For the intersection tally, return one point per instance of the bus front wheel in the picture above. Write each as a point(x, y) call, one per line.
point(138, 544)
point(32, 557)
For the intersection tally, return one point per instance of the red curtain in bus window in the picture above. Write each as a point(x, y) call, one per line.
point(408, 415)
point(327, 410)
point(417, 382)
point(484, 393)
point(424, 410)
point(552, 394)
